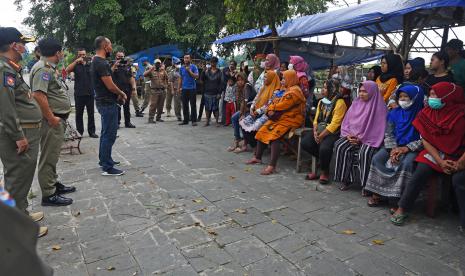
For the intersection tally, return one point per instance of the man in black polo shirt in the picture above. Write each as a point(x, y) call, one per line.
point(107, 97)
point(83, 94)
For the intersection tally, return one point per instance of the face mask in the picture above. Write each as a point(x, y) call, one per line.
point(178, 66)
point(262, 64)
point(435, 103)
point(22, 55)
point(208, 66)
point(405, 104)
point(335, 76)
point(326, 101)
point(290, 66)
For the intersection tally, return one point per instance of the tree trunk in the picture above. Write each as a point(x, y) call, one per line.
point(274, 33)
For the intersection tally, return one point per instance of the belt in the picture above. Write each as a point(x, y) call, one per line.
point(30, 125)
point(62, 116)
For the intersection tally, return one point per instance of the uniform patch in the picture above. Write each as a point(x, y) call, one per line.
point(45, 76)
point(9, 80)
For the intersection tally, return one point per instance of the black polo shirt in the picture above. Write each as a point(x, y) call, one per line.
point(82, 80)
point(101, 68)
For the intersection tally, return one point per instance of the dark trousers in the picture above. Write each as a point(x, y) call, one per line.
point(188, 96)
point(86, 102)
point(109, 117)
point(274, 151)
point(322, 151)
point(419, 180)
point(127, 111)
point(249, 137)
point(202, 107)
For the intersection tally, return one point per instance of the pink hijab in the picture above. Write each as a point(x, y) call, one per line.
point(300, 65)
point(273, 61)
point(366, 120)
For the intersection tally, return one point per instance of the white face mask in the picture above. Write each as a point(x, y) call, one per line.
point(208, 66)
point(262, 64)
point(405, 104)
point(178, 66)
point(326, 100)
point(290, 66)
point(335, 76)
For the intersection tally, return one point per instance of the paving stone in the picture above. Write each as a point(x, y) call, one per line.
point(325, 264)
point(270, 231)
point(230, 269)
point(158, 259)
point(267, 204)
point(228, 205)
point(295, 249)
point(311, 231)
point(70, 253)
point(362, 232)
point(189, 236)
point(248, 250)
point(206, 256)
point(273, 266)
point(303, 205)
point(341, 247)
point(103, 249)
point(327, 218)
point(251, 217)
point(123, 264)
point(287, 216)
point(368, 263)
point(231, 232)
point(210, 216)
point(70, 269)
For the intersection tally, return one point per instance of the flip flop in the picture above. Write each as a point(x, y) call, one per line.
point(253, 161)
point(344, 187)
point(324, 179)
point(399, 220)
point(375, 202)
point(311, 176)
point(267, 171)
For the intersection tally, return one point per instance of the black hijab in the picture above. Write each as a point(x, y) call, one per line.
point(395, 68)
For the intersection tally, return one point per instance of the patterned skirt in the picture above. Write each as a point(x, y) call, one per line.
point(389, 180)
point(211, 102)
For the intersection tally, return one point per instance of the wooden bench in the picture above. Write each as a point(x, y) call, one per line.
point(72, 139)
point(436, 185)
point(299, 132)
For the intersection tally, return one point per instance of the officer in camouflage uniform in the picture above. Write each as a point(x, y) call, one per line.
point(146, 85)
point(55, 105)
point(20, 121)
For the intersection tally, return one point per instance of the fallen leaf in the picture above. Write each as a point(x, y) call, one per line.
point(274, 221)
point(76, 214)
point(378, 242)
point(56, 247)
point(232, 177)
point(197, 200)
point(248, 169)
point(134, 274)
point(203, 209)
point(110, 268)
point(348, 232)
point(212, 232)
point(240, 211)
point(197, 223)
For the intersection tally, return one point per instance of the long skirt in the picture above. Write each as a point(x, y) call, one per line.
point(211, 103)
point(388, 180)
point(352, 161)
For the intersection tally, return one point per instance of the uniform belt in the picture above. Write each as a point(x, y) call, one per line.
point(30, 125)
point(62, 116)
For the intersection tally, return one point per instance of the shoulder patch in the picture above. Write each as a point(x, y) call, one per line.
point(9, 80)
point(45, 76)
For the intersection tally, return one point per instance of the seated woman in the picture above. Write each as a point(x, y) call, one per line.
point(362, 133)
point(251, 123)
point(439, 64)
point(285, 113)
point(374, 73)
point(392, 74)
point(441, 125)
point(414, 70)
point(392, 166)
point(326, 128)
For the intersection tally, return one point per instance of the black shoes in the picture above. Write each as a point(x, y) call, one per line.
point(129, 125)
point(139, 114)
point(62, 189)
point(179, 119)
point(183, 123)
point(56, 200)
point(160, 120)
point(93, 135)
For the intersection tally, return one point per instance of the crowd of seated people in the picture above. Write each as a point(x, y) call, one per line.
point(405, 126)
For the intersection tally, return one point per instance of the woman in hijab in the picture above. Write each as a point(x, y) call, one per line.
point(392, 74)
point(286, 113)
point(374, 73)
point(393, 165)
point(326, 128)
point(362, 133)
point(252, 122)
point(414, 70)
point(271, 62)
point(307, 84)
point(441, 125)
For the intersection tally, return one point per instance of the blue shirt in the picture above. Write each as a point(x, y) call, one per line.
point(188, 82)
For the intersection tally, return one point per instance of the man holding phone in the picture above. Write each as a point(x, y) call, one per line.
point(83, 93)
point(189, 74)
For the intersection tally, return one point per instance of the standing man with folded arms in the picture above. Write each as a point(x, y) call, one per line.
point(108, 98)
point(55, 105)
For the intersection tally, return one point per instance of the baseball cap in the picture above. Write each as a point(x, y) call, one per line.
point(157, 61)
point(9, 35)
point(175, 60)
point(455, 44)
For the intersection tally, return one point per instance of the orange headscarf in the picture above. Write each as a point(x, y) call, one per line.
point(267, 90)
point(290, 76)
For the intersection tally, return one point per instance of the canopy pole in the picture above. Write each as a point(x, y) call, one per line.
point(445, 37)
point(386, 37)
point(420, 30)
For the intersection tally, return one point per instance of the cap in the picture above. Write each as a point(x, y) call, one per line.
point(455, 44)
point(9, 35)
point(175, 60)
point(157, 61)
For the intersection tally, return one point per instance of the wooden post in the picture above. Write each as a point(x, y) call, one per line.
point(445, 37)
point(386, 37)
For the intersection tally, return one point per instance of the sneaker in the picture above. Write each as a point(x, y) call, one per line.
point(42, 231)
point(113, 172)
point(160, 120)
point(117, 163)
point(37, 216)
point(56, 200)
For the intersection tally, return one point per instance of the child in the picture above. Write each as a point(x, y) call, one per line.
point(230, 99)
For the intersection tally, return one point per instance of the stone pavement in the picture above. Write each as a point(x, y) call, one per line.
point(187, 207)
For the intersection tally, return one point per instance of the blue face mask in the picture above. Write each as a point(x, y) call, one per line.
point(435, 103)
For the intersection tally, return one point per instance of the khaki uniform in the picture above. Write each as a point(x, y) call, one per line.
point(158, 86)
point(173, 93)
point(134, 96)
point(20, 117)
point(44, 78)
point(147, 91)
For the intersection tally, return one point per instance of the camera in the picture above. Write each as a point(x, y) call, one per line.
point(124, 62)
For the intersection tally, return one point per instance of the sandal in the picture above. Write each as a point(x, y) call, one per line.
point(268, 170)
point(399, 219)
point(392, 211)
point(375, 201)
point(324, 179)
point(365, 193)
point(240, 149)
point(253, 161)
point(345, 187)
point(311, 176)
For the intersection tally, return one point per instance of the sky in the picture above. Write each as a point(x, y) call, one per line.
point(11, 16)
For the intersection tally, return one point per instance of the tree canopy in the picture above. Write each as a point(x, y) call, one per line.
point(139, 24)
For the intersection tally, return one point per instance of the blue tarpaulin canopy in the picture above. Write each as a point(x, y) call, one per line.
point(152, 53)
point(320, 55)
point(359, 19)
